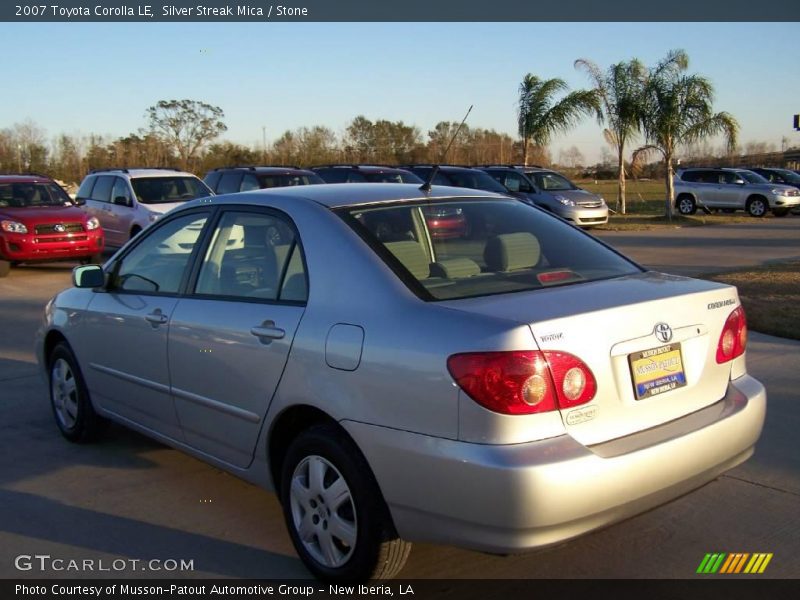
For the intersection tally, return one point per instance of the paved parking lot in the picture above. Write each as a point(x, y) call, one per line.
point(131, 498)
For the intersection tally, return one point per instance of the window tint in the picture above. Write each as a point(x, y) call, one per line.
point(121, 190)
point(21, 195)
point(158, 263)
point(355, 177)
point(254, 256)
point(102, 189)
point(212, 178)
point(271, 181)
point(333, 175)
point(249, 182)
point(456, 249)
point(85, 190)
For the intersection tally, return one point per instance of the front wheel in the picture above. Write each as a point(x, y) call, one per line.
point(757, 207)
point(336, 516)
point(687, 205)
point(69, 397)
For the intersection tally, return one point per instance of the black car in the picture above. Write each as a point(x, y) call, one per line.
point(364, 174)
point(775, 175)
point(229, 180)
point(457, 176)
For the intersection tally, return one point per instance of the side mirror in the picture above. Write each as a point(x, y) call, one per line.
point(88, 276)
point(739, 182)
point(79, 201)
point(122, 201)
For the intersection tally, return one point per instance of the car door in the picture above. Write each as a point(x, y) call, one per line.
point(732, 190)
point(126, 325)
point(230, 338)
point(120, 212)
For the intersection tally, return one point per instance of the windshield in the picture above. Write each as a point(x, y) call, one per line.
point(476, 180)
point(271, 181)
point(164, 190)
point(391, 177)
point(26, 195)
point(551, 181)
point(788, 175)
point(751, 177)
point(450, 249)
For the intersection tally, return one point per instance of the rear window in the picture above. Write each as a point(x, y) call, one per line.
point(164, 190)
point(454, 249)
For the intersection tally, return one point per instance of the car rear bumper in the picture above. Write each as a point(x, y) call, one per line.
point(506, 498)
point(32, 247)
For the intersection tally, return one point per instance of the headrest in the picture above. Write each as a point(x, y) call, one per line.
point(512, 251)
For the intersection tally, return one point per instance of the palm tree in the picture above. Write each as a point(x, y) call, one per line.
point(677, 110)
point(539, 116)
point(620, 92)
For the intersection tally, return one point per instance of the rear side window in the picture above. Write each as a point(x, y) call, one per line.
point(102, 189)
point(454, 249)
point(85, 190)
point(211, 179)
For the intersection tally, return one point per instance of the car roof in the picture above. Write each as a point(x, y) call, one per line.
point(134, 172)
point(264, 169)
point(23, 178)
point(368, 168)
point(445, 168)
point(337, 195)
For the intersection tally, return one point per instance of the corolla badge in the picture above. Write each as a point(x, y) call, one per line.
point(663, 332)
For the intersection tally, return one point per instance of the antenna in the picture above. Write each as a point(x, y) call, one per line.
point(426, 187)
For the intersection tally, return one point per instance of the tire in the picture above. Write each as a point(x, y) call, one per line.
point(135, 231)
point(757, 207)
point(69, 398)
point(94, 259)
point(5, 267)
point(780, 212)
point(686, 205)
point(323, 465)
point(729, 211)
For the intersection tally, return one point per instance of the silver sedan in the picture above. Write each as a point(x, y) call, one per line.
point(511, 385)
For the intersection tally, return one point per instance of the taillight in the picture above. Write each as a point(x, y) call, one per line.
point(733, 340)
point(523, 382)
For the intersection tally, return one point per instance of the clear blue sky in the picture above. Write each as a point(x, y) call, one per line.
point(81, 78)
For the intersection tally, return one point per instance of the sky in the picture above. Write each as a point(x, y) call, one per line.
point(81, 78)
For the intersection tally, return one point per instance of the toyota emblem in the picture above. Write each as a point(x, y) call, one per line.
point(663, 332)
point(60, 228)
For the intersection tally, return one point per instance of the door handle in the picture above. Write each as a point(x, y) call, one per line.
point(266, 332)
point(156, 317)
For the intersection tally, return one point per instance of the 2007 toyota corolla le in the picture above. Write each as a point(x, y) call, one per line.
point(507, 388)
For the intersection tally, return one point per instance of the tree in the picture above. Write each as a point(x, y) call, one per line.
point(187, 124)
point(677, 110)
point(540, 116)
point(620, 91)
point(572, 158)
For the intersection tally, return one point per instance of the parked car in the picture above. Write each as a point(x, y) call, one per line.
point(127, 200)
point(227, 180)
point(364, 174)
point(502, 392)
point(552, 191)
point(782, 176)
point(39, 222)
point(457, 176)
point(732, 189)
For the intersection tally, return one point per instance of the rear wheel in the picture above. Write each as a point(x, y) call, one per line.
point(5, 267)
point(336, 516)
point(756, 207)
point(686, 205)
point(69, 397)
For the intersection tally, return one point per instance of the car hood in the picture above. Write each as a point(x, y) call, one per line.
point(33, 215)
point(575, 195)
point(162, 208)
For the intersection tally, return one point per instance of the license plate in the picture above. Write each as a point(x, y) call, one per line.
point(657, 370)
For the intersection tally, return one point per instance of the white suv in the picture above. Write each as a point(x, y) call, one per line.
point(732, 189)
point(126, 201)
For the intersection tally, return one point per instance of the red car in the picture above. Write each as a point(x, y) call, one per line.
point(39, 222)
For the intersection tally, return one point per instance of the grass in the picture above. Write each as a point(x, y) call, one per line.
point(770, 295)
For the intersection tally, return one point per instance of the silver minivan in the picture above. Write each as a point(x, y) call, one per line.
point(126, 201)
